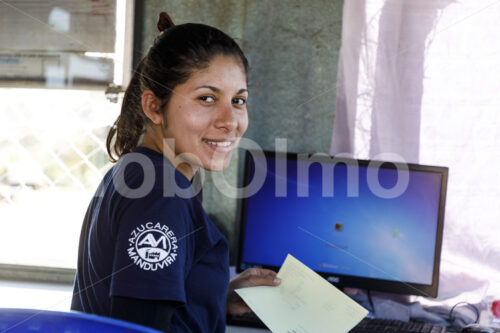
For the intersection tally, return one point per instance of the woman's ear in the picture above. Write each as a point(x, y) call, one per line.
point(151, 107)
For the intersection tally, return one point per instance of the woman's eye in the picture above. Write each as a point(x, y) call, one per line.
point(239, 101)
point(207, 99)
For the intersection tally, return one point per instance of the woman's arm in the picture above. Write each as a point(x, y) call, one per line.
point(155, 314)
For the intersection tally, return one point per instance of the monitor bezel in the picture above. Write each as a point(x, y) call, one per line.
point(340, 280)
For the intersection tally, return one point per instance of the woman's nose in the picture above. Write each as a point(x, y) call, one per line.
point(225, 117)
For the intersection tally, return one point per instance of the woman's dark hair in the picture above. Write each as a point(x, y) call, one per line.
point(177, 52)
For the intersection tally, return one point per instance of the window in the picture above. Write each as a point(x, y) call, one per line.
point(56, 61)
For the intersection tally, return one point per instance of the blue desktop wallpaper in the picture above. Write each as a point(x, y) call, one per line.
point(364, 236)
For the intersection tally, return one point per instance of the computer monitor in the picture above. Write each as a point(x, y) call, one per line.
point(359, 223)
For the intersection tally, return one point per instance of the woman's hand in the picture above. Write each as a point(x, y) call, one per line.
point(251, 277)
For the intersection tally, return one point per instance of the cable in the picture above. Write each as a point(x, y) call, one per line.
point(452, 318)
point(369, 294)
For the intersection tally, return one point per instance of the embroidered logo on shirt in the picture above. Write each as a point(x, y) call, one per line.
point(152, 246)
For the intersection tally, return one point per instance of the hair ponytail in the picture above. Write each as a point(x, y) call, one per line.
point(129, 125)
point(164, 22)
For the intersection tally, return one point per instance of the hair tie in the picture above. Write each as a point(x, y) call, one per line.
point(164, 22)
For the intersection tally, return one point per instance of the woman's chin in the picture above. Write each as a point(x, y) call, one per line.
point(218, 164)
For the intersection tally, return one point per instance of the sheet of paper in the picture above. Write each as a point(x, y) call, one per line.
point(304, 302)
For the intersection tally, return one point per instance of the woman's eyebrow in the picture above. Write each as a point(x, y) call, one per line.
point(217, 90)
point(214, 89)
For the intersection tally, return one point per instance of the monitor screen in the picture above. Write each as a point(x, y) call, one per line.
point(359, 223)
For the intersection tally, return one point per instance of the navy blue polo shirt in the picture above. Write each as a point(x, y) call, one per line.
point(146, 235)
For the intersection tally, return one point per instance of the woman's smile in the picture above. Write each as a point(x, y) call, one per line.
point(222, 146)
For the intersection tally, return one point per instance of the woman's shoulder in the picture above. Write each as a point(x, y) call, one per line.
point(143, 172)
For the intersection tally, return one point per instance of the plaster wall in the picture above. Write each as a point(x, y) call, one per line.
point(293, 48)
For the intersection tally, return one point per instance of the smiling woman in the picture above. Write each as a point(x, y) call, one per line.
point(154, 257)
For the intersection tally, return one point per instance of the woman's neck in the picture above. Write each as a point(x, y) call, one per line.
point(162, 146)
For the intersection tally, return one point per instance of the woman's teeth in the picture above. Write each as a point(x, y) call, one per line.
point(219, 144)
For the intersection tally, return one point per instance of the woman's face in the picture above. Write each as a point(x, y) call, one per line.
point(207, 115)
